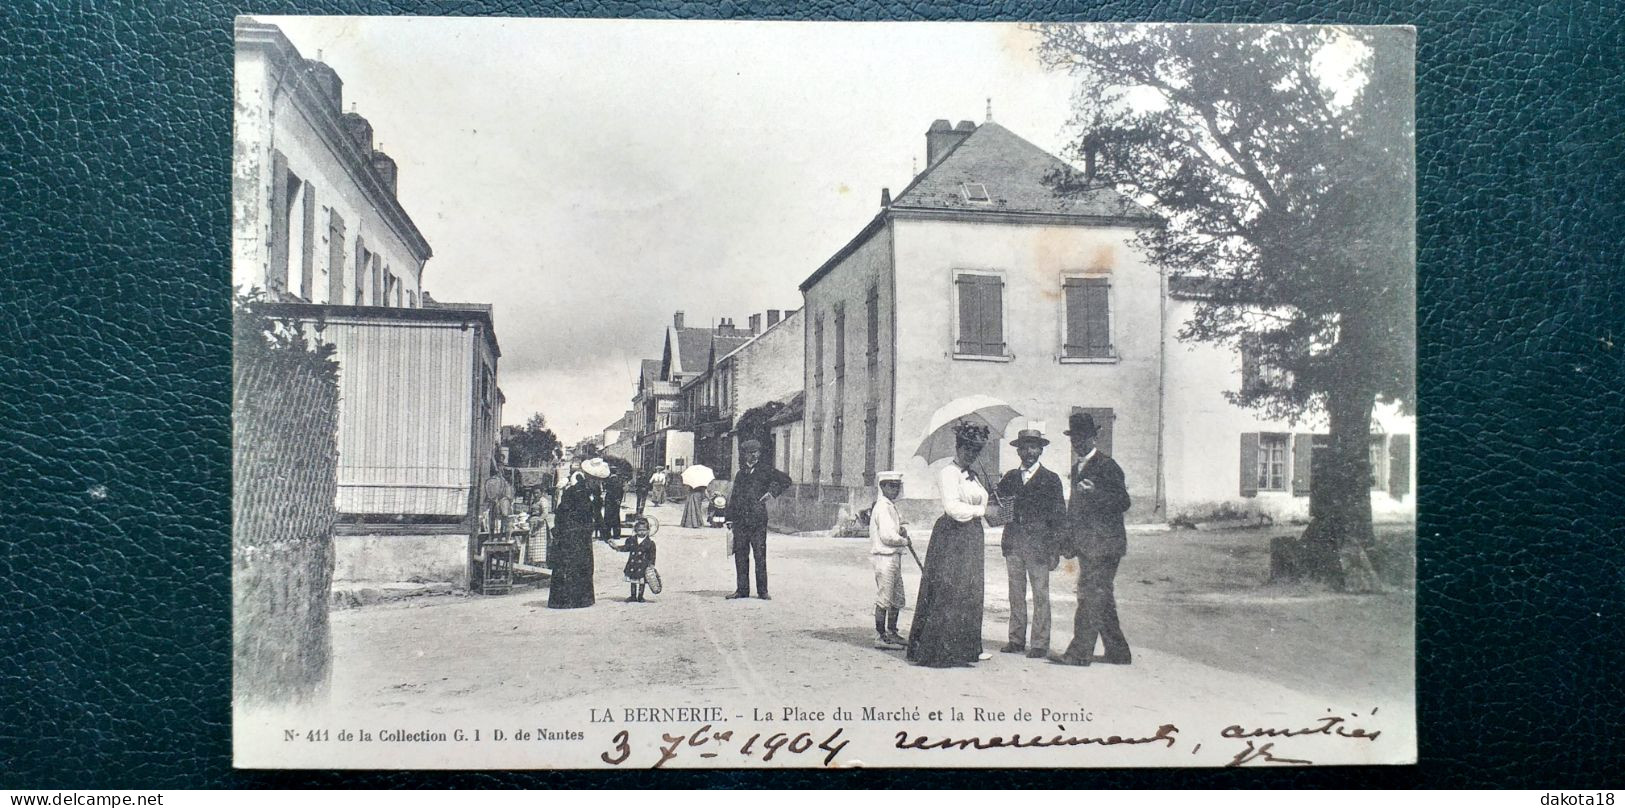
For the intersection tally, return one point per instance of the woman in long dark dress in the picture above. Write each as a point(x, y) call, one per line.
point(947, 629)
point(580, 514)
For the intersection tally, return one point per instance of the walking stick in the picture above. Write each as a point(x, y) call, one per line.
point(916, 555)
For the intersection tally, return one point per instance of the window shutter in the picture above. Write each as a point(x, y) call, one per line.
point(1098, 315)
point(993, 330)
point(1249, 464)
point(1303, 445)
point(969, 316)
point(276, 277)
point(361, 262)
point(335, 259)
point(981, 315)
point(1399, 466)
point(307, 261)
point(1077, 325)
point(1249, 371)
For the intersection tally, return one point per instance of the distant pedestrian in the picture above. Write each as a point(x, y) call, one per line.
point(756, 485)
point(947, 630)
point(694, 507)
point(640, 550)
point(1031, 541)
point(657, 485)
point(888, 541)
point(1095, 521)
point(614, 494)
point(642, 484)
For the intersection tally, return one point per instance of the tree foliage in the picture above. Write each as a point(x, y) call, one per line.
point(1280, 157)
point(533, 444)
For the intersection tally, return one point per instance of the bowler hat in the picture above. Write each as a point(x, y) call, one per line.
point(1082, 424)
point(1030, 435)
point(750, 444)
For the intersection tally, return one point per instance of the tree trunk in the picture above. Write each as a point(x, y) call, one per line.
point(1339, 531)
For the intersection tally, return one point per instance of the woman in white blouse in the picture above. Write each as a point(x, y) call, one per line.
point(947, 630)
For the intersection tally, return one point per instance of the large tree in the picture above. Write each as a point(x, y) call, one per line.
point(1281, 160)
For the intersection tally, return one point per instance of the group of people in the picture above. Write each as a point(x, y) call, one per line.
point(1041, 526)
point(589, 510)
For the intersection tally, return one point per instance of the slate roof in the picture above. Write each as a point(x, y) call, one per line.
point(1014, 172)
point(1017, 177)
point(694, 347)
point(649, 372)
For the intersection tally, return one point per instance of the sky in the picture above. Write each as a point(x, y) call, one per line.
point(589, 177)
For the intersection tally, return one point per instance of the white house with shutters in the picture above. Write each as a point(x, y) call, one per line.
point(315, 218)
point(978, 278)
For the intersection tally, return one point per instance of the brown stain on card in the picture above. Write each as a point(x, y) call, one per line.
point(1055, 253)
point(1019, 43)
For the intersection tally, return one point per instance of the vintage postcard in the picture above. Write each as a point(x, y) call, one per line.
point(626, 394)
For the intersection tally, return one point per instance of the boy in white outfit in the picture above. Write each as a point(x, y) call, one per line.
point(888, 540)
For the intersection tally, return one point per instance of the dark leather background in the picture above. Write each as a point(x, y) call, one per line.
point(116, 132)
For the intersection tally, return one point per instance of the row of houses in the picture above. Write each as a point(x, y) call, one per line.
point(317, 226)
point(977, 278)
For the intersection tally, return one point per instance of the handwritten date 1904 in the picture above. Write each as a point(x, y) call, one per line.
point(709, 744)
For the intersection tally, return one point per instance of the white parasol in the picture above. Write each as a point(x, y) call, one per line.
point(698, 476)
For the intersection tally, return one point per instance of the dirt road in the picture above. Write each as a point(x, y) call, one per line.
point(1192, 605)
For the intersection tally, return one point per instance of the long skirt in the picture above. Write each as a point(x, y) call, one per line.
point(571, 586)
point(694, 509)
point(947, 628)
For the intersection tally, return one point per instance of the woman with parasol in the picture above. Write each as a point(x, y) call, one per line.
point(947, 629)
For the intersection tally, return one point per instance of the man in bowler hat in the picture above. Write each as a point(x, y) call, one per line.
point(755, 486)
point(1095, 519)
point(1030, 544)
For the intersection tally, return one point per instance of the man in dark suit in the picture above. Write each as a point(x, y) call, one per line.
point(614, 493)
point(1095, 519)
point(1030, 543)
point(641, 484)
point(755, 486)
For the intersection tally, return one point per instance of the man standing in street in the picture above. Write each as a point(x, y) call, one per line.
point(755, 486)
point(888, 540)
point(1095, 519)
point(1030, 543)
point(641, 484)
point(614, 494)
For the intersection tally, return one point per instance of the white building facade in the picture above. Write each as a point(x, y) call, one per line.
point(314, 213)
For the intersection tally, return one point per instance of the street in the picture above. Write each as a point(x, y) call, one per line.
point(1203, 627)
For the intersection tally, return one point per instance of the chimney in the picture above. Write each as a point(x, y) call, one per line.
point(384, 166)
point(327, 82)
point(360, 131)
point(755, 324)
point(677, 320)
point(942, 137)
point(885, 197)
point(772, 317)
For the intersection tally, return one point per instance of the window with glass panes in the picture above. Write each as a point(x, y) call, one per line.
point(1272, 462)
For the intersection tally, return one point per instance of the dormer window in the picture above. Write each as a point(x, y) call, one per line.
point(975, 192)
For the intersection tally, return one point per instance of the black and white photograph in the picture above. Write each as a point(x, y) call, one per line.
point(627, 394)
